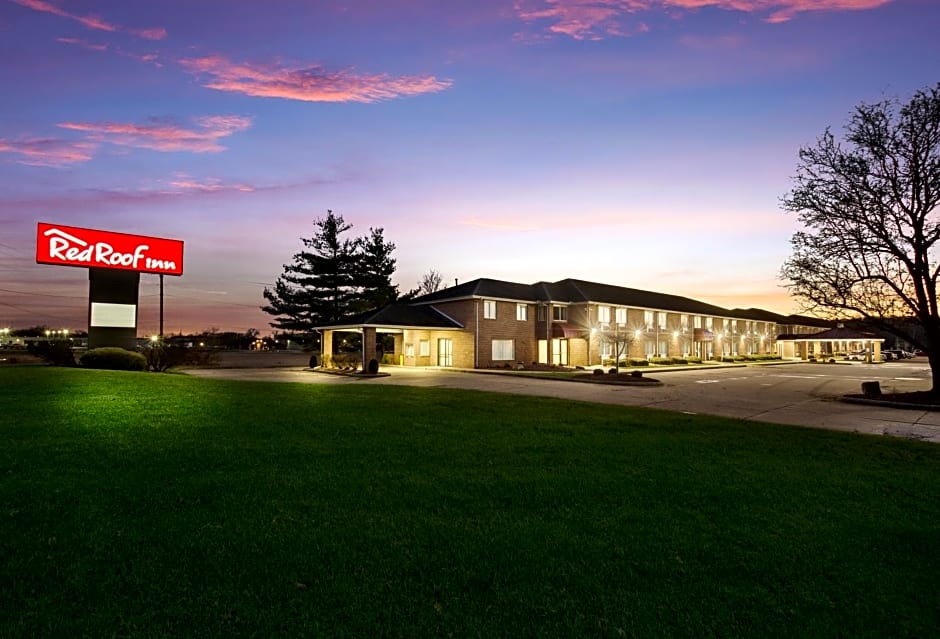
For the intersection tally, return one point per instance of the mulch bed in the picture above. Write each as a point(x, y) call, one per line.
point(924, 400)
point(619, 378)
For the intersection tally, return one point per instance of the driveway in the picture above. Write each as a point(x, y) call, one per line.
point(796, 394)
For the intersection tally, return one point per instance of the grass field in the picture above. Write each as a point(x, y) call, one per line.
point(150, 505)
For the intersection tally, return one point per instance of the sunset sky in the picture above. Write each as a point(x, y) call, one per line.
point(643, 143)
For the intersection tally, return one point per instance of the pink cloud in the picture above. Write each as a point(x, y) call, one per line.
point(307, 84)
point(156, 33)
point(182, 182)
point(84, 44)
point(151, 58)
point(48, 151)
point(161, 135)
point(596, 19)
point(90, 21)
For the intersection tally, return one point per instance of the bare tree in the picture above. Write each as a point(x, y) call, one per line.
point(869, 210)
point(620, 343)
point(430, 282)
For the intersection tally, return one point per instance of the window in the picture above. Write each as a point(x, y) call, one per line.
point(662, 320)
point(648, 319)
point(503, 349)
point(709, 323)
point(621, 316)
point(726, 324)
point(540, 314)
point(684, 322)
point(522, 312)
point(560, 313)
point(409, 350)
point(606, 349)
point(424, 348)
point(603, 314)
point(489, 309)
point(697, 321)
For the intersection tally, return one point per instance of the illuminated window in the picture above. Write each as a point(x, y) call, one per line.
point(522, 312)
point(662, 320)
point(648, 319)
point(697, 321)
point(709, 323)
point(489, 309)
point(560, 313)
point(621, 316)
point(603, 314)
point(503, 349)
point(424, 348)
point(409, 350)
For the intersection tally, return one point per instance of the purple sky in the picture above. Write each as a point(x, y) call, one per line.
point(643, 143)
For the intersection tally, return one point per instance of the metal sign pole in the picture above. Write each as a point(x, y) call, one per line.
point(161, 306)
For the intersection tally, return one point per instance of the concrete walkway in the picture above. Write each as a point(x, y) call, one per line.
point(796, 394)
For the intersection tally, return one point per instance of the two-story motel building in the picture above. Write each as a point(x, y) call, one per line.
point(489, 323)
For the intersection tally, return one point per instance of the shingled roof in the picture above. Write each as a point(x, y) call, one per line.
point(840, 334)
point(482, 287)
point(397, 315)
point(567, 291)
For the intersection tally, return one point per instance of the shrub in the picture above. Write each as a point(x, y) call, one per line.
point(662, 361)
point(342, 360)
point(161, 356)
point(636, 361)
point(636, 373)
point(115, 359)
point(679, 360)
point(598, 371)
point(389, 359)
point(694, 360)
point(373, 366)
point(57, 353)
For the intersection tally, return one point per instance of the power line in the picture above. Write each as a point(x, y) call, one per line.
point(74, 297)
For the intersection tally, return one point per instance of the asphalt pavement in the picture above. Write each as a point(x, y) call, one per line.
point(799, 394)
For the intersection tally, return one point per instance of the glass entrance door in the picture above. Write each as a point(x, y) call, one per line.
point(445, 352)
point(560, 352)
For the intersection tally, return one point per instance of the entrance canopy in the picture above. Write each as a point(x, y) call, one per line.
point(829, 342)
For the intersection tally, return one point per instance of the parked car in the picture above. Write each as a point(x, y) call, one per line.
point(920, 353)
point(897, 353)
point(890, 355)
point(862, 354)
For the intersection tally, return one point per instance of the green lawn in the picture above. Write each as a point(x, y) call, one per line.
point(136, 504)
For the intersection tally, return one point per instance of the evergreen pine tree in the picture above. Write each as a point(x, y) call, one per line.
point(372, 272)
point(317, 287)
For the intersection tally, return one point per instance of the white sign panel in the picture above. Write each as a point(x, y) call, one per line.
point(113, 315)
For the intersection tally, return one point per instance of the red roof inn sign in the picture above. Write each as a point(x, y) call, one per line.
point(71, 246)
point(114, 262)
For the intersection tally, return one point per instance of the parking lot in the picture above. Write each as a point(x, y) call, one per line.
point(799, 394)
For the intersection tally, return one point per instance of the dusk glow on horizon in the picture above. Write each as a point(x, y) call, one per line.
point(640, 143)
